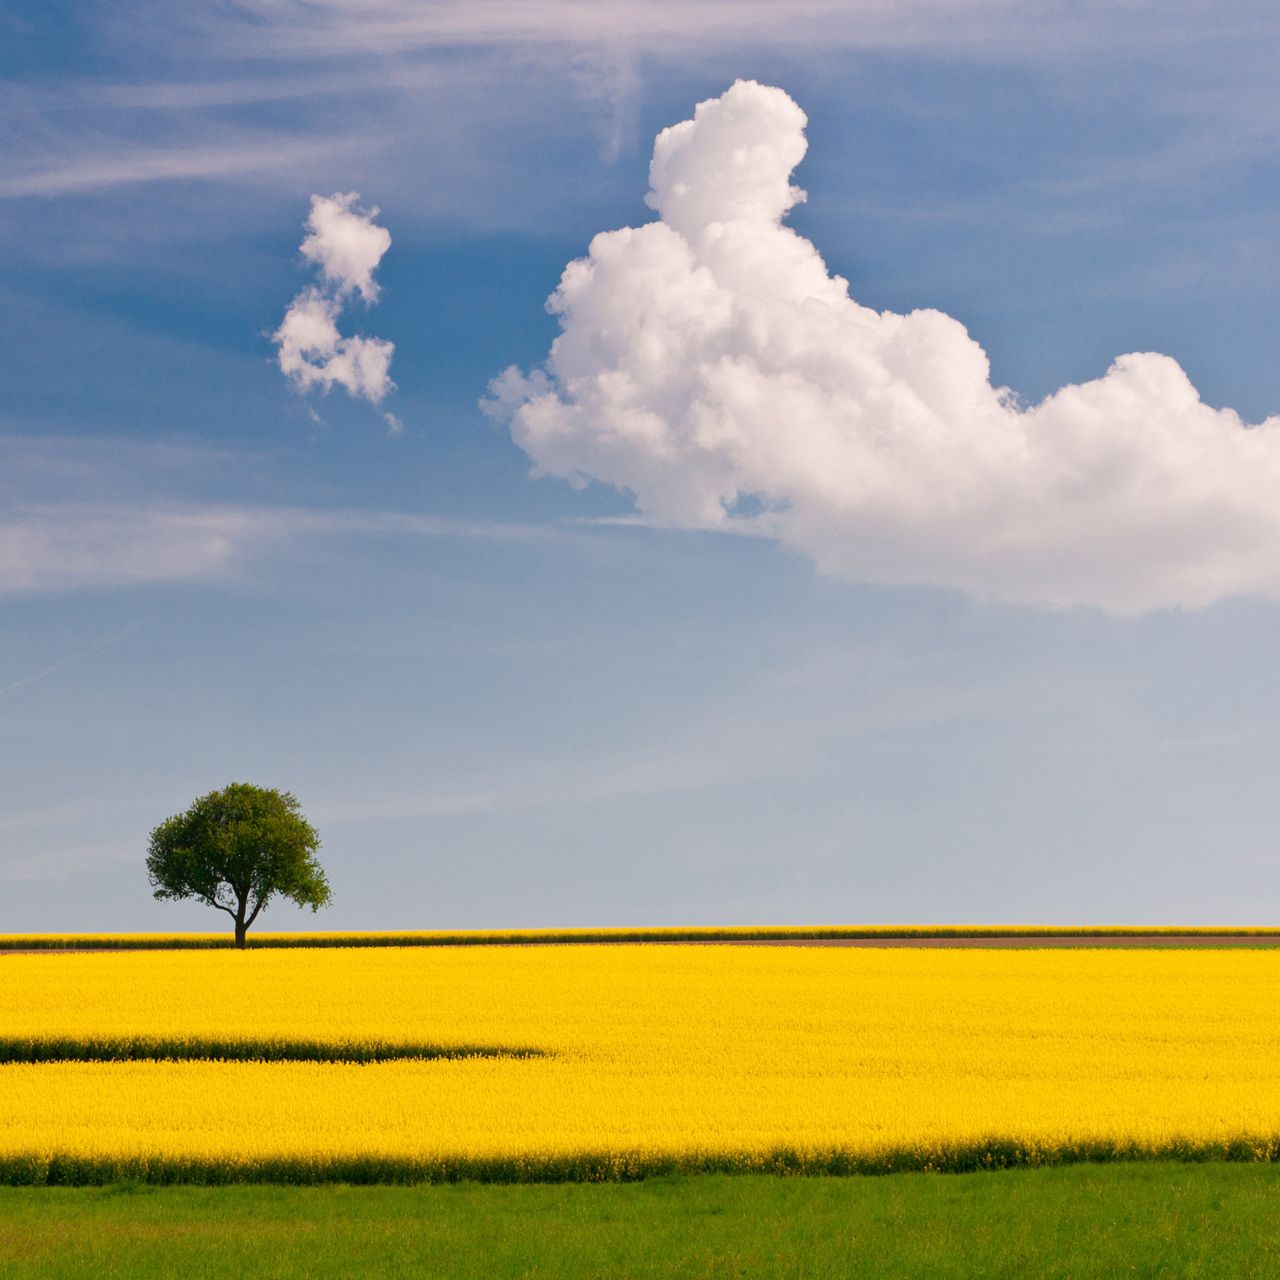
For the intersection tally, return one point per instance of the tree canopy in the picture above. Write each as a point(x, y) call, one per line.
point(235, 849)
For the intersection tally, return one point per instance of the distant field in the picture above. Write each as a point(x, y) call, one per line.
point(746, 933)
point(618, 1062)
point(1214, 1220)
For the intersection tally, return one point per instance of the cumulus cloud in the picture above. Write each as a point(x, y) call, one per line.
point(345, 245)
point(712, 367)
point(314, 354)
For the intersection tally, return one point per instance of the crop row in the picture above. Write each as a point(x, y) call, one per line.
point(649, 1059)
point(489, 937)
point(32, 1169)
point(156, 1048)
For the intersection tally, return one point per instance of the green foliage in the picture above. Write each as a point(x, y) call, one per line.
point(1114, 1220)
point(235, 850)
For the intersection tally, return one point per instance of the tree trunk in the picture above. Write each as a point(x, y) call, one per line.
point(241, 929)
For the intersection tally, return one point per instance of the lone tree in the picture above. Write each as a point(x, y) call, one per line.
point(236, 849)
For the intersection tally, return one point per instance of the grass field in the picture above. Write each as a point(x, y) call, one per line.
point(1163, 1220)
point(637, 1060)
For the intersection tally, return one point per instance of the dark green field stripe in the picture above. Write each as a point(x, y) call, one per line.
point(67, 1169)
point(14, 1049)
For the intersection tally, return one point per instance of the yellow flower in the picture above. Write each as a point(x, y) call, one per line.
point(644, 1058)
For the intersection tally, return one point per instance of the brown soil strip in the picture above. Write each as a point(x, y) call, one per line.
point(1030, 940)
point(1021, 940)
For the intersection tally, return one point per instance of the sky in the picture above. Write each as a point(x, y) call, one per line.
point(639, 463)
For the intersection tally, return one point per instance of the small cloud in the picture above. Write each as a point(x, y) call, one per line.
point(394, 426)
point(314, 354)
point(345, 246)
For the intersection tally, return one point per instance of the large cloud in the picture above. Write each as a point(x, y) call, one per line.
point(345, 245)
point(713, 368)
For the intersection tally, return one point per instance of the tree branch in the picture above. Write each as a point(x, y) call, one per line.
point(258, 907)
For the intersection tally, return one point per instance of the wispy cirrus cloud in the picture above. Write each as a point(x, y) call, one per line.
point(86, 546)
point(130, 166)
point(78, 514)
point(345, 75)
point(325, 27)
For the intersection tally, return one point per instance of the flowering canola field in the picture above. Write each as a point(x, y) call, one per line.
point(620, 1060)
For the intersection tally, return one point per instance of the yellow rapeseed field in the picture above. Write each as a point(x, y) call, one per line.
point(646, 1058)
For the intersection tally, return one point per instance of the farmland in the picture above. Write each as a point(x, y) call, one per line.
point(612, 1062)
point(1150, 1219)
point(879, 935)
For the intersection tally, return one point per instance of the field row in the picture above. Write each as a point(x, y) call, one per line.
point(651, 1059)
point(490, 937)
point(156, 1048)
point(392, 1169)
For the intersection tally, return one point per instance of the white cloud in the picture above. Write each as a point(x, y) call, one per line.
point(346, 246)
point(124, 167)
point(454, 88)
point(314, 354)
point(712, 367)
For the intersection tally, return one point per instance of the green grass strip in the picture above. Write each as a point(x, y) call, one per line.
point(1172, 1221)
point(1161, 1220)
point(14, 1049)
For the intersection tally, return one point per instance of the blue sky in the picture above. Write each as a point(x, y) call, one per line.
point(505, 700)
